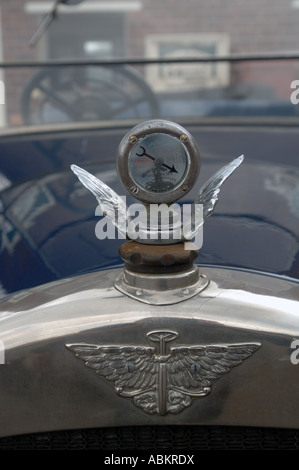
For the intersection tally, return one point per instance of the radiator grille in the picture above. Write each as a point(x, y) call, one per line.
point(160, 438)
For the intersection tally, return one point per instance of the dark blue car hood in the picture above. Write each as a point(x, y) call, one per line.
point(48, 223)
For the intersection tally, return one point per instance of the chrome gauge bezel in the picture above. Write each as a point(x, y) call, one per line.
point(155, 127)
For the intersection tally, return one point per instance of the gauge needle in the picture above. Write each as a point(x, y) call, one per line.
point(144, 154)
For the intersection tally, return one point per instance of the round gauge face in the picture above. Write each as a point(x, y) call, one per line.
point(158, 161)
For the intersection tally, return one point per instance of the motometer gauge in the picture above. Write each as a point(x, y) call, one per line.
point(158, 161)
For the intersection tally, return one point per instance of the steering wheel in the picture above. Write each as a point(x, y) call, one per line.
point(87, 93)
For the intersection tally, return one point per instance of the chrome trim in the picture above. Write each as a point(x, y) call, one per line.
point(43, 387)
point(161, 289)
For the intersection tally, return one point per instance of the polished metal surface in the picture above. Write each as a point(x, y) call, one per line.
point(44, 387)
point(161, 289)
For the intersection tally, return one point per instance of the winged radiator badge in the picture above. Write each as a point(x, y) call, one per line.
point(162, 379)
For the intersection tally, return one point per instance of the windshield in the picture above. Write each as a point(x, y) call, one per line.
point(101, 60)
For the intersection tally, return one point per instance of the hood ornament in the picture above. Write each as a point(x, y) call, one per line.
point(162, 379)
point(158, 163)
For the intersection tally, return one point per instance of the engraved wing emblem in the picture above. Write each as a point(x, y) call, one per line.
point(163, 379)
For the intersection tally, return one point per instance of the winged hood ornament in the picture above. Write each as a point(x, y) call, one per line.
point(115, 208)
point(112, 205)
point(158, 164)
point(208, 194)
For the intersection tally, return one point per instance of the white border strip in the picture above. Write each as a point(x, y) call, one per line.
point(85, 7)
point(2, 83)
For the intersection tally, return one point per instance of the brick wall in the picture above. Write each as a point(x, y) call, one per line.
point(255, 26)
point(262, 26)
